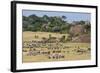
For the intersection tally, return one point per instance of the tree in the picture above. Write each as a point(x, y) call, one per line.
point(82, 22)
point(56, 29)
point(64, 17)
point(63, 39)
point(45, 19)
point(88, 28)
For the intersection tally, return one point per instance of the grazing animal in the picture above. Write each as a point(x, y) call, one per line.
point(24, 50)
point(81, 51)
point(89, 49)
point(56, 56)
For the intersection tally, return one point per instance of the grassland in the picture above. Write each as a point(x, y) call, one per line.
point(67, 51)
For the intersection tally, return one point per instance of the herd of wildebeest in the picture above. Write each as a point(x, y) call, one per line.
point(52, 48)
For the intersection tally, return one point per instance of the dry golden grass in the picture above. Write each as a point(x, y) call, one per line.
point(67, 52)
point(28, 36)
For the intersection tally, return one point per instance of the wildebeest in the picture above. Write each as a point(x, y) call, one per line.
point(80, 51)
point(56, 56)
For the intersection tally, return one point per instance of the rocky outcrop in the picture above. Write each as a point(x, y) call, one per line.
point(85, 38)
point(77, 30)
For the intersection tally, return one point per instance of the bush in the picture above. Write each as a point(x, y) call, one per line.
point(43, 38)
point(50, 36)
point(63, 38)
point(36, 36)
point(69, 38)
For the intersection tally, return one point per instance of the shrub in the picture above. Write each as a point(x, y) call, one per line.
point(69, 38)
point(63, 38)
point(50, 36)
point(36, 36)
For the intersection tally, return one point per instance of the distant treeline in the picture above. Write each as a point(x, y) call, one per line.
point(50, 23)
